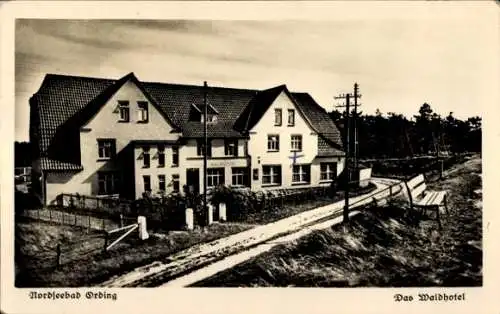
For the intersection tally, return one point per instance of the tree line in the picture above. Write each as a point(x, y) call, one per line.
point(394, 135)
point(22, 154)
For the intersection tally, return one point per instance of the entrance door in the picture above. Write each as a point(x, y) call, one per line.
point(193, 180)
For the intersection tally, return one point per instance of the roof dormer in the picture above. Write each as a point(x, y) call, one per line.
point(197, 113)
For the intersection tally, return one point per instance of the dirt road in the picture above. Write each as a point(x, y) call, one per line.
point(199, 257)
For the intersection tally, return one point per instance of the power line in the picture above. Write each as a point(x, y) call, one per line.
point(347, 166)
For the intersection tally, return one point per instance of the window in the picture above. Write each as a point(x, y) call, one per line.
point(231, 147)
point(161, 182)
point(211, 118)
point(107, 148)
point(271, 175)
point(175, 183)
point(107, 183)
point(328, 171)
point(256, 174)
point(301, 174)
point(147, 183)
point(200, 145)
point(123, 107)
point(291, 117)
point(239, 177)
point(215, 176)
point(277, 117)
point(146, 157)
point(161, 156)
point(143, 111)
point(273, 143)
point(296, 143)
point(175, 156)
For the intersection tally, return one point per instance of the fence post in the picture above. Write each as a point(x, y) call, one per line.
point(143, 231)
point(222, 211)
point(59, 259)
point(210, 213)
point(189, 219)
point(89, 224)
point(121, 220)
point(103, 224)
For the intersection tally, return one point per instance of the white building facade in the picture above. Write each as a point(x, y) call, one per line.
point(125, 137)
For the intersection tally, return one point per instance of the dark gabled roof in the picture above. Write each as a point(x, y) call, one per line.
point(319, 118)
point(327, 150)
point(64, 103)
point(176, 101)
point(220, 129)
point(57, 165)
point(311, 111)
point(257, 108)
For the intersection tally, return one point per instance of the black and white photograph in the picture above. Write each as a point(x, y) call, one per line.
point(250, 153)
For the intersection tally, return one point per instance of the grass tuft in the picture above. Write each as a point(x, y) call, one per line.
point(385, 247)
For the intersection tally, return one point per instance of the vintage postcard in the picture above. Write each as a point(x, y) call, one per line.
point(317, 154)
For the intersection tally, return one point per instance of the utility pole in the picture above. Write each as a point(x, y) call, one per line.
point(347, 157)
point(205, 150)
point(347, 165)
point(356, 147)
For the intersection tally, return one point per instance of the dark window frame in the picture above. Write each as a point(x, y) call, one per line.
point(275, 171)
point(161, 156)
point(291, 114)
point(213, 173)
point(106, 145)
point(270, 147)
point(299, 136)
point(175, 156)
point(146, 157)
point(143, 107)
point(124, 107)
point(330, 172)
point(199, 147)
point(162, 182)
point(148, 181)
point(303, 175)
point(231, 144)
point(111, 181)
point(278, 117)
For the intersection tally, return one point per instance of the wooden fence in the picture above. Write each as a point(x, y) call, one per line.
point(403, 169)
point(104, 206)
point(64, 253)
point(242, 203)
point(72, 219)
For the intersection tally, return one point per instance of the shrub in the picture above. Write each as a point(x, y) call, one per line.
point(239, 202)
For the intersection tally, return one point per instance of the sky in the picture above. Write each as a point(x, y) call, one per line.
point(398, 63)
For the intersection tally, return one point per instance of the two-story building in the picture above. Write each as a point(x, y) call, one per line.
point(98, 136)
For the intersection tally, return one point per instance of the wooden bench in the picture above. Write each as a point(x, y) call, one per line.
point(423, 200)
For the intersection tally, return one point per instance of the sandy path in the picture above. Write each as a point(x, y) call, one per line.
point(199, 256)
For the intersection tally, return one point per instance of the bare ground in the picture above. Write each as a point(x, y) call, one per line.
point(383, 247)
